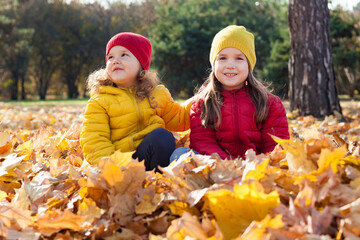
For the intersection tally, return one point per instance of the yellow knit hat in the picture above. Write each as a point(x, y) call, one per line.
point(236, 37)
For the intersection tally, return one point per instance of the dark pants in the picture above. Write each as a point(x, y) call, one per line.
point(156, 149)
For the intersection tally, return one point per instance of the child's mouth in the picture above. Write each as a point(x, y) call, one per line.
point(230, 74)
point(117, 69)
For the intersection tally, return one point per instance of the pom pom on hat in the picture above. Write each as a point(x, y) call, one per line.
point(236, 37)
point(137, 44)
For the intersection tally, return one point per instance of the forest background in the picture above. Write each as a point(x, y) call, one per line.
point(49, 47)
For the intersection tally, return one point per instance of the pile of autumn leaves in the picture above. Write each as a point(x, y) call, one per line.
point(310, 189)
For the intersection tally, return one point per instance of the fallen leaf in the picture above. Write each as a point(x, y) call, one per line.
point(54, 221)
point(259, 229)
point(179, 208)
point(149, 204)
point(5, 142)
point(235, 210)
point(296, 156)
point(89, 210)
point(187, 226)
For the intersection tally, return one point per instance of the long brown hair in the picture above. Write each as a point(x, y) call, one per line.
point(213, 100)
point(145, 84)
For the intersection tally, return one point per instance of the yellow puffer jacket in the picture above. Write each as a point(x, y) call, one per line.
point(114, 120)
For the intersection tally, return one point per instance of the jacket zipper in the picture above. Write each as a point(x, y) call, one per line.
point(236, 111)
point(140, 117)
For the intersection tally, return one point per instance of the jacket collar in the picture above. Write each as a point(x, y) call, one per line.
point(115, 90)
point(240, 91)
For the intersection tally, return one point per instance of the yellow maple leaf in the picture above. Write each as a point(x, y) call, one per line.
point(112, 174)
point(235, 210)
point(128, 178)
point(184, 227)
point(296, 156)
point(89, 210)
point(149, 204)
point(179, 208)
point(259, 229)
point(26, 149)
point(98, 195)
point(63, 144)
point(54, 221)
point(327, 159)
point(331, 159)
point(259, 172)
point(351, 160)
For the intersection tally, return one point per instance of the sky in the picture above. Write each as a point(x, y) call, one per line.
point(346, 4)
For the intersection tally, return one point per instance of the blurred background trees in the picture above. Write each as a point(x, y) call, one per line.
point(49, 47)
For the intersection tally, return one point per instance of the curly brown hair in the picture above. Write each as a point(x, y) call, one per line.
point(145, 84)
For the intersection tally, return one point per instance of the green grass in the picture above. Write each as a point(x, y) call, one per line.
point(84, 101)
point(58, 102)
point(48, 102)
point(344, 97)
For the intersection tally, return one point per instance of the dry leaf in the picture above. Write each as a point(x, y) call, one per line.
point(296, 156)
point(149, 204)
point(54, 221)
point(89, 210)
point(5, 142)
point(259, 230)
point(186, 226)
point(235, 210)
point(49, 191)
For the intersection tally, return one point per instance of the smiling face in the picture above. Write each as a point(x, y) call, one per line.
point(122, 66)
point(231, 68)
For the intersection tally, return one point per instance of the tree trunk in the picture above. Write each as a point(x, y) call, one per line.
point(23, 94)
point(72, 89)
point(42, 89)
point(14, 87)
point(311, 71)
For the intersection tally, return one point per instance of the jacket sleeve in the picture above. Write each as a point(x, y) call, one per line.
point(95, 133)
point(275, 124)
point(175, 115)
point(203, 140)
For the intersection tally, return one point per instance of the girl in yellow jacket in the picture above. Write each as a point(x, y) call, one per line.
point(128, 110)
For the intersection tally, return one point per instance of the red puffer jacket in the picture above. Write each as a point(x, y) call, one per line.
point(238, 131)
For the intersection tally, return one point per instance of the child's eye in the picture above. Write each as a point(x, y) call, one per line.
point(222, 58)
point(124, 54)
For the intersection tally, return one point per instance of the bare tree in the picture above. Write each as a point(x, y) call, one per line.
point(311, 71)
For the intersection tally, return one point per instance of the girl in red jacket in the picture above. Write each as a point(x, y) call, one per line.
point(232, 111)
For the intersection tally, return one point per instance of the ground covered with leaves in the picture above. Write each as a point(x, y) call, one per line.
point(308, 189)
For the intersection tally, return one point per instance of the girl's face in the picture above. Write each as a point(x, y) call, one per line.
point(231, 68)
point(122, 66)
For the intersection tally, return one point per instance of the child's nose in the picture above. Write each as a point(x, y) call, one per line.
point(230, 65)
point(116, 59)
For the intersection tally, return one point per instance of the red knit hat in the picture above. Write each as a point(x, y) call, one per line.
point(137, 44)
